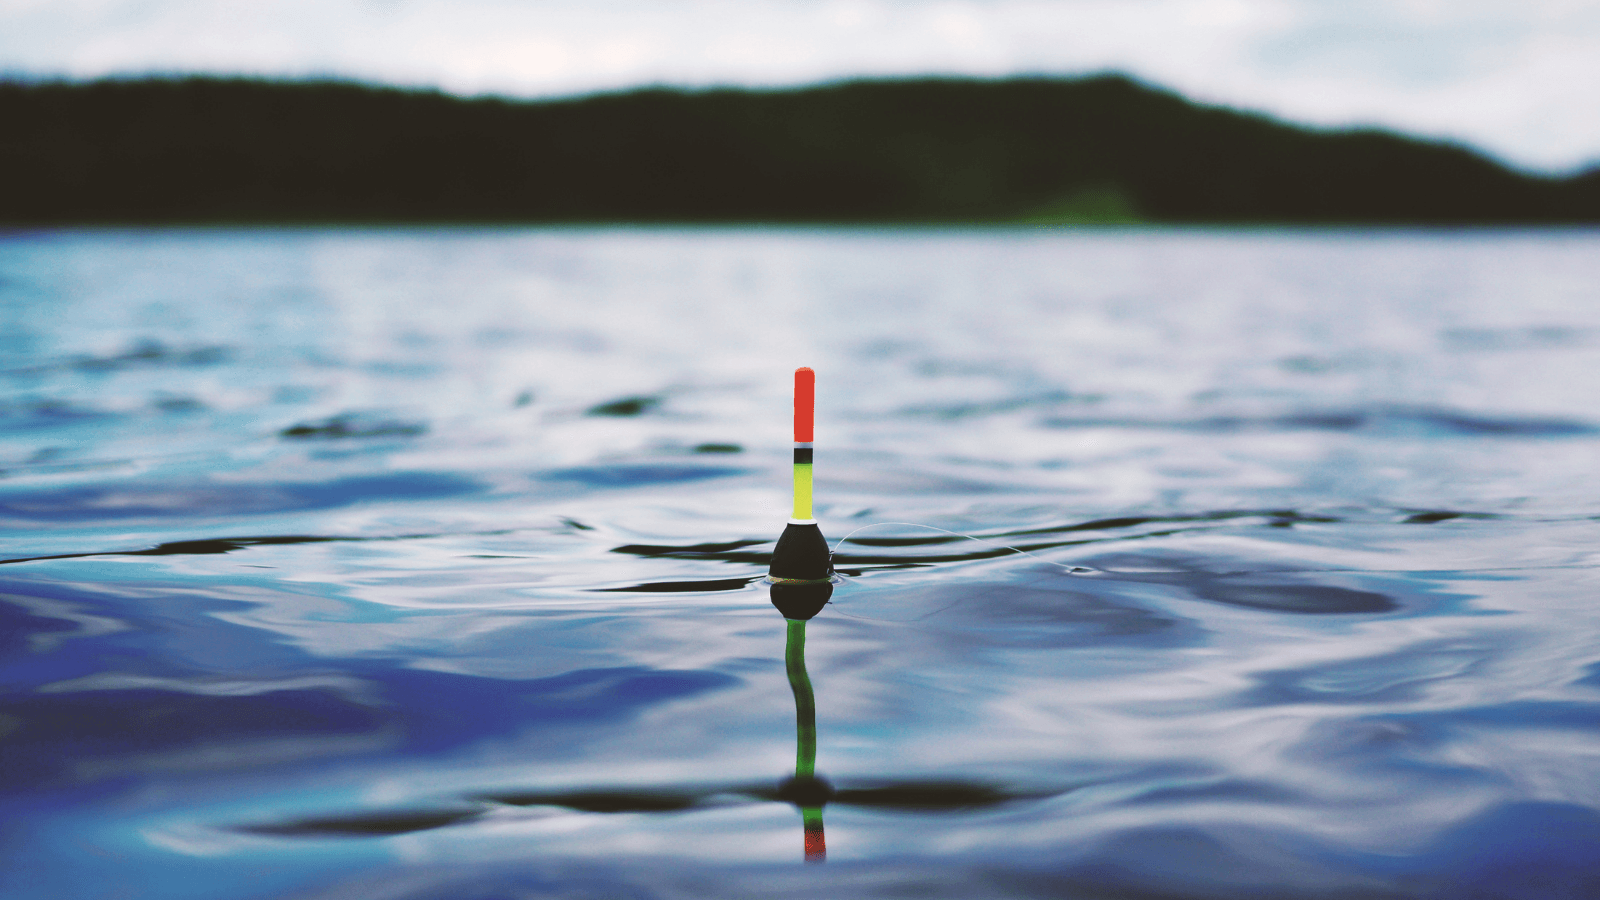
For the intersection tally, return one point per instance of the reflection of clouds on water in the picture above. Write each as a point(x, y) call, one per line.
point(95, 504)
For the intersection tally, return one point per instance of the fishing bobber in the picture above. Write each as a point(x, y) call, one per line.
point(802, 567)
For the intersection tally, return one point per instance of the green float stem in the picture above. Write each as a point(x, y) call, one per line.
point(805, 703)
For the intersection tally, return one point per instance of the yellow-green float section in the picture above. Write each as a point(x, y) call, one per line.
point(802, 491)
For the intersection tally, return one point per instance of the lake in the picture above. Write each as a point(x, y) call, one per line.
point(427, 563)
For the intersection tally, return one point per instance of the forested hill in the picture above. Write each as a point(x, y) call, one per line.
point(1104, 149)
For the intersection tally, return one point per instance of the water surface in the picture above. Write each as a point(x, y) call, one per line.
point(425, 563)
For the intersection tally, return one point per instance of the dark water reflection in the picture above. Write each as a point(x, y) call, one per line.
point(413, 564)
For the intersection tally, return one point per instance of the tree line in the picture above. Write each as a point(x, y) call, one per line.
point(1098, 149)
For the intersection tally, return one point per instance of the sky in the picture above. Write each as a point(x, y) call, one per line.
point(1518, 79)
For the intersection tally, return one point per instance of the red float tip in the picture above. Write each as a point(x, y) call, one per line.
point(805, 404)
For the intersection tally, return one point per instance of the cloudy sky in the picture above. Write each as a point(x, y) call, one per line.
point(1518, 78)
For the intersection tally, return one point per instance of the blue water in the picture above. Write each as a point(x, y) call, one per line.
point(425, 563)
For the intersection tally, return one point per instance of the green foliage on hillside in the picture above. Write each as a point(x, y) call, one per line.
point(1103, 149)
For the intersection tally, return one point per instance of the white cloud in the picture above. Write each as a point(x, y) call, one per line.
point(1519, 79)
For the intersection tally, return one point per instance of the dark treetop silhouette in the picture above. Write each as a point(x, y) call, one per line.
point(1102, 149)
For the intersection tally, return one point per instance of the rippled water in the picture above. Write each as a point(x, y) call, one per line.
point(405, 564)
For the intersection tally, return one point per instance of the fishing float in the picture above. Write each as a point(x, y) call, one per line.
point(802, 568)
point(801, 577)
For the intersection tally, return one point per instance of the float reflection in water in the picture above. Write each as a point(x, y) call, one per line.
point(798, 603)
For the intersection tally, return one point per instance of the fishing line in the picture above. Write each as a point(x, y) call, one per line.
point(1071, 570)
point(1087, 570)
point(1112, 573)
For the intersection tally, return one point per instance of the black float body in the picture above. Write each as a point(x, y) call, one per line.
point(800, 600)
point(802, 554)
point(801, 566)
